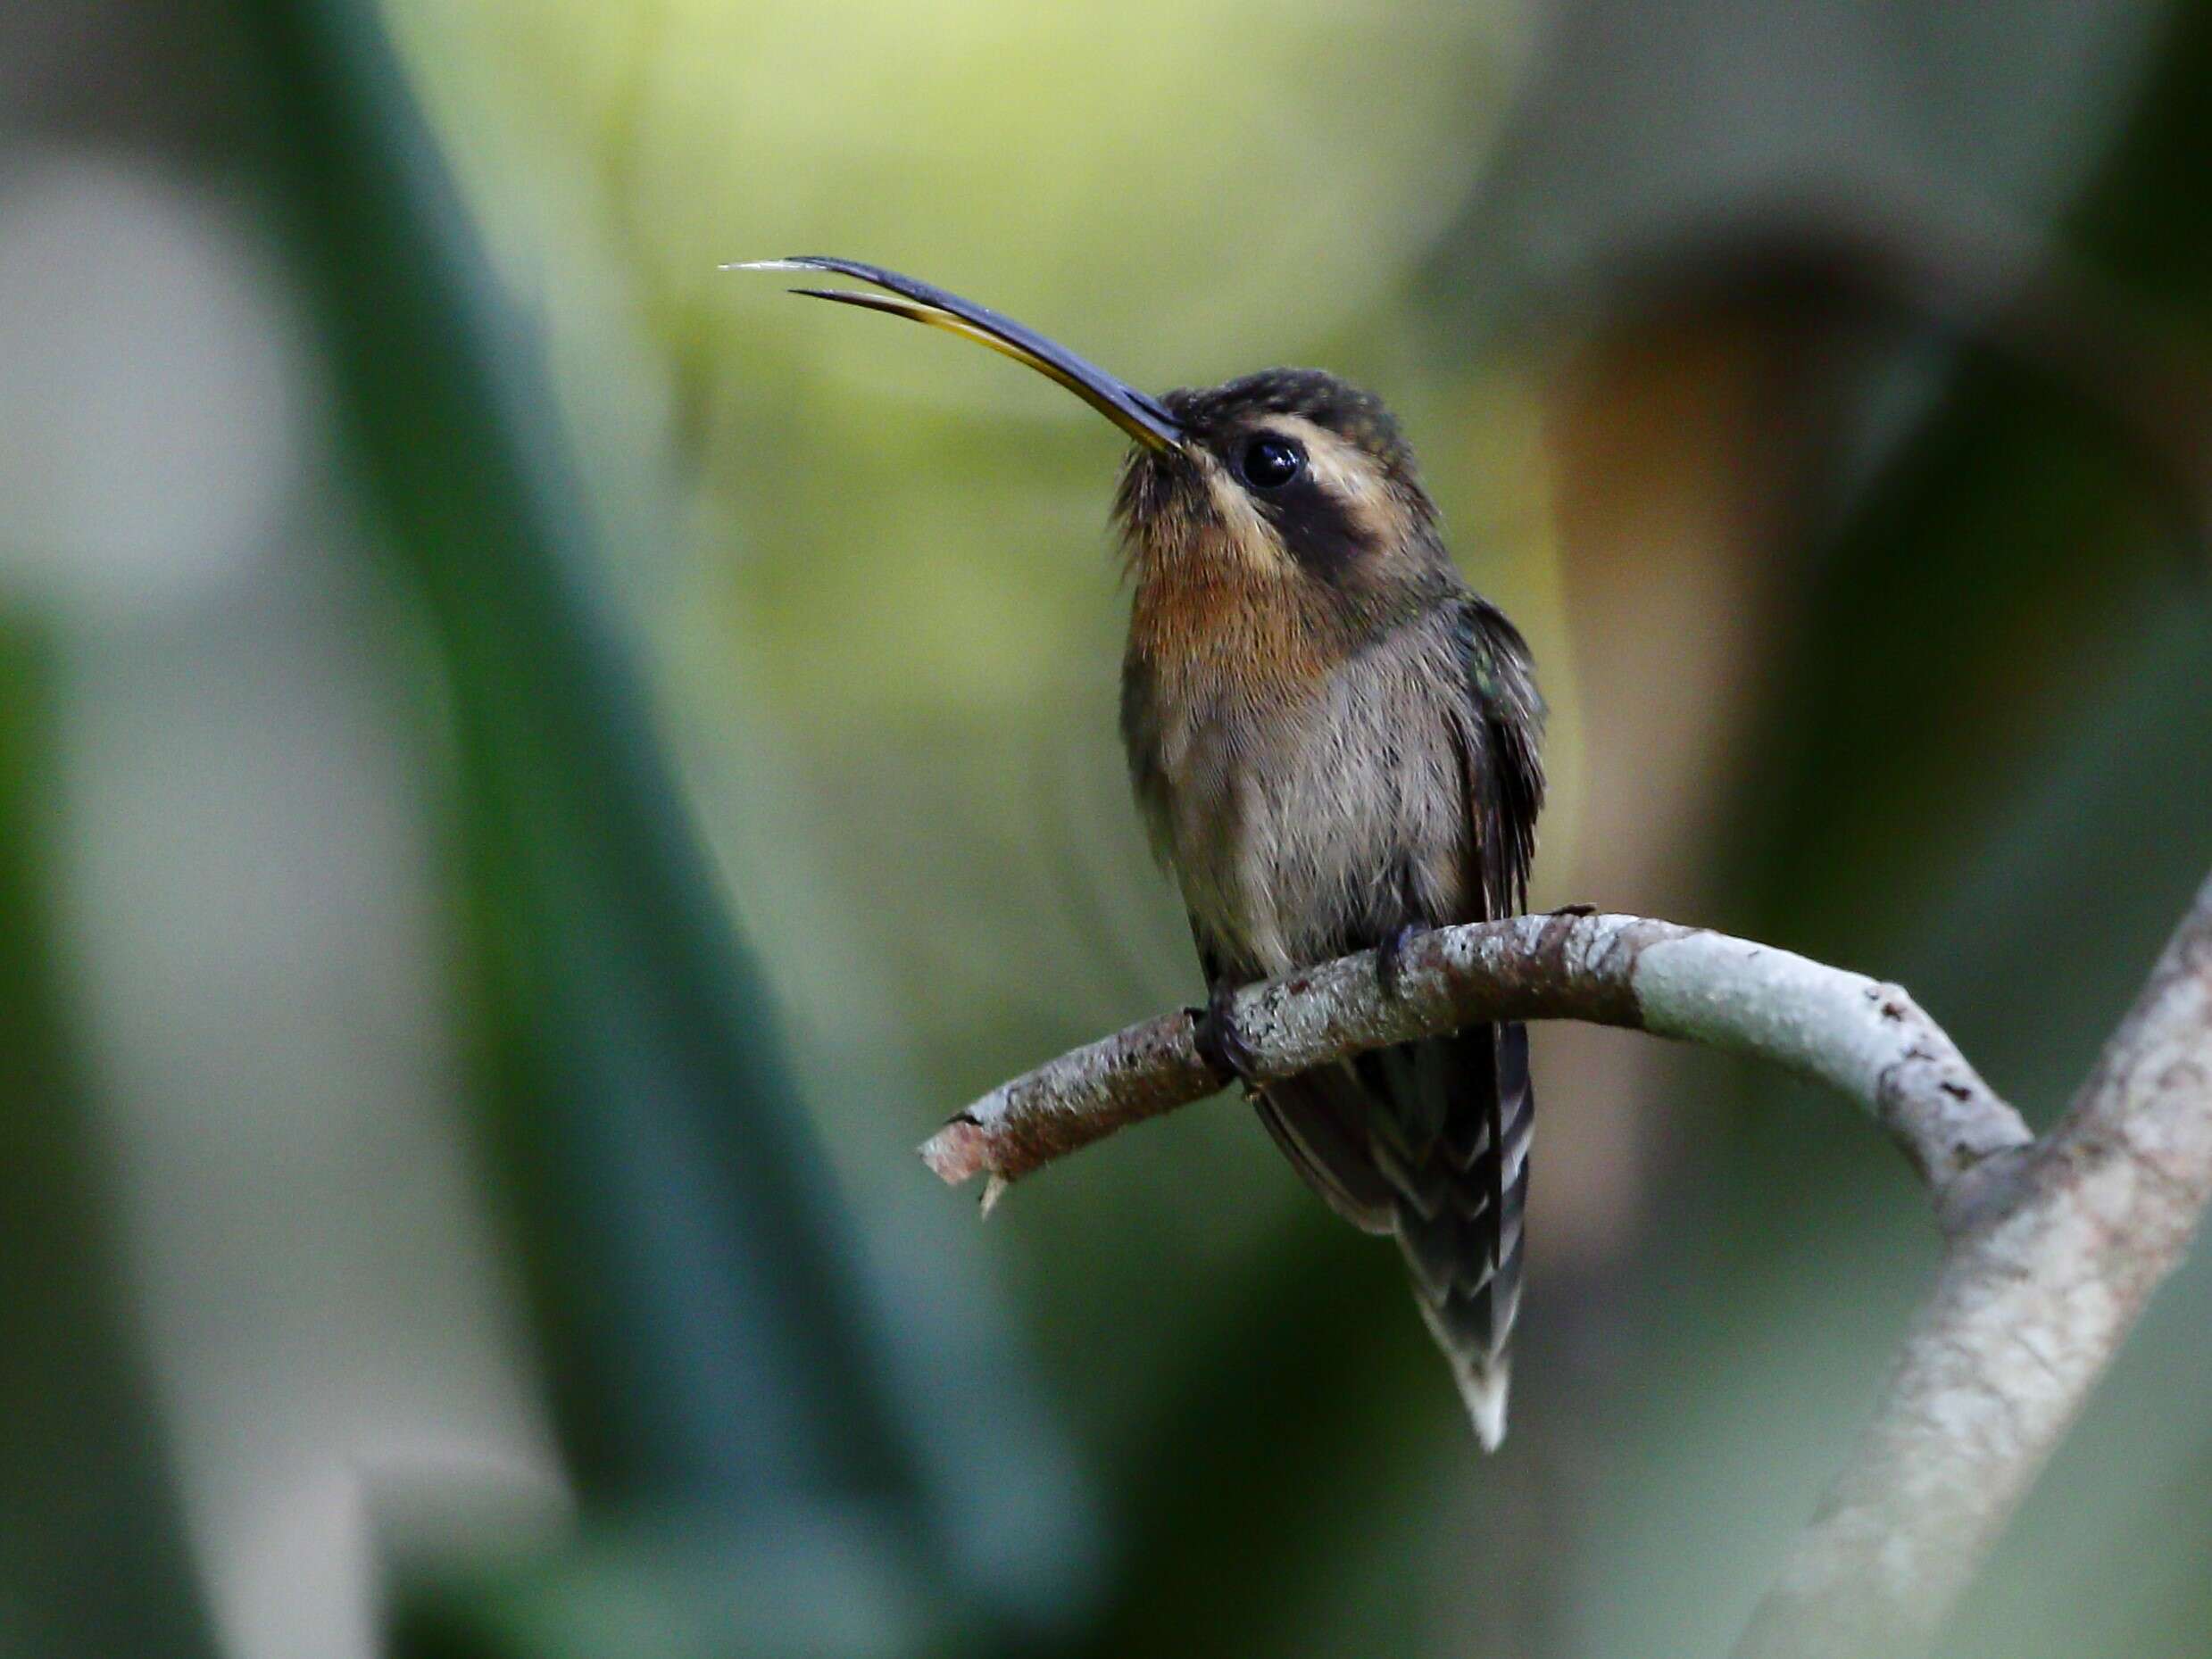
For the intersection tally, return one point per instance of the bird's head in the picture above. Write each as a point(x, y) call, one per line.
point(1288, 480)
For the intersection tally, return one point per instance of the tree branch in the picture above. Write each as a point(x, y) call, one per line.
point(2055, 1244)
point(2031, 1303)
point(1868, 1041)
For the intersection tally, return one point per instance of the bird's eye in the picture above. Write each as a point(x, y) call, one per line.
point(1268, 463)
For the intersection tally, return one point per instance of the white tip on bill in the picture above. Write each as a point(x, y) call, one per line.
point(1484, 1393)
point(765, 264)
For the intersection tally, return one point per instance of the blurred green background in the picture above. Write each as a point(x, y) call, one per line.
point(533, 771)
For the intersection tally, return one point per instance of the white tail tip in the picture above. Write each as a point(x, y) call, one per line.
point(1484, 1393)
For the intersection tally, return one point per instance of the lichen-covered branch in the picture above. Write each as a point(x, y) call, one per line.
point(2032, 1301)
point(1866, 1040)
point(2055, 1245)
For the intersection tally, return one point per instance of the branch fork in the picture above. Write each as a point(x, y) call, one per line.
point(2054, 1244)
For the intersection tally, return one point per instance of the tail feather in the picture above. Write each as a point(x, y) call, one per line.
point(1461, 1194)
point(1484, 1393)
point(1430, 1140)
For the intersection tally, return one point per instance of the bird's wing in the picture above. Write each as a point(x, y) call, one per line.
point(1319, 1120)
point(1459, 1112)
point(1500, 766)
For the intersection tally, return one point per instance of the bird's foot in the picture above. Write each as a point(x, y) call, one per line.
point(1218, 1041)
point(1390, 956)
point(1575, 910)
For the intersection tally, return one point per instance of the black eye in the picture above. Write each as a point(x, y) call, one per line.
point(1268, 463)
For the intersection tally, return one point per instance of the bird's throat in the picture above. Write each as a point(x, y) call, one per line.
point(1209, 622)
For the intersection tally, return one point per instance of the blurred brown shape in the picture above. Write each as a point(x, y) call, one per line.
point(1678, 446)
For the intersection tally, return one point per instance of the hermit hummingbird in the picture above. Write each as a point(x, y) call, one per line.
point(1334, 744)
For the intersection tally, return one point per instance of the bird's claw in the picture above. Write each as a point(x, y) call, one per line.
point(1217, 1041)
point(1390, 956)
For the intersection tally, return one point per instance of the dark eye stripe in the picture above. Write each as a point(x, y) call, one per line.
point(1318, 527)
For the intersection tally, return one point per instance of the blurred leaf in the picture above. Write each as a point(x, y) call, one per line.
point(709, 1339)
point(93, 1557)
point(692, 1586)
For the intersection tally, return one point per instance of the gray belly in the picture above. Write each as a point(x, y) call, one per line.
point(1300, 832)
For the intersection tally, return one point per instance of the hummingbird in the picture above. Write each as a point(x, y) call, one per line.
point(1334, 744)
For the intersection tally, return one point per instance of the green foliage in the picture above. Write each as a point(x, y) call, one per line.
point(92, 1552)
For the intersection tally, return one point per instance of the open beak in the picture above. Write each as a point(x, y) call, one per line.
point(1141, 416)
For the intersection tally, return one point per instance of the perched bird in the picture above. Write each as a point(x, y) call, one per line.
point(1334, 744)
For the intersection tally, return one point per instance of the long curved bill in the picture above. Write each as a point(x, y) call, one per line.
point(1141, 416)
